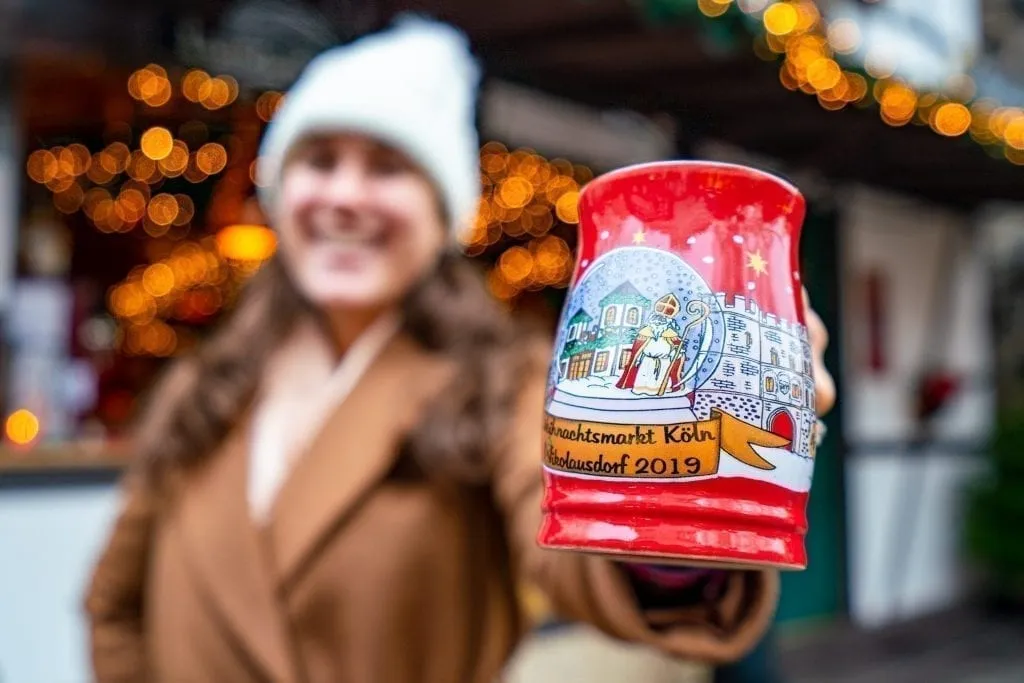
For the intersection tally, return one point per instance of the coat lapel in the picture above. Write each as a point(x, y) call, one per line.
point(227, 555)
point(354, 450)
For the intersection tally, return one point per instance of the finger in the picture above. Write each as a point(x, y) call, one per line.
point(824, 384)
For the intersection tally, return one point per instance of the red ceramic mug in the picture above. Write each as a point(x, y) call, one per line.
point(680, 411)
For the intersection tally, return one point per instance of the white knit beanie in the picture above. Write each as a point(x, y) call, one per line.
point(412, 86)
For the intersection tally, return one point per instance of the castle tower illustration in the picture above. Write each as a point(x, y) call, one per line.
point(764, 374)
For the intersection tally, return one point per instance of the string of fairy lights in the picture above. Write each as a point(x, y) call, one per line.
point(815, 56)
point(526, 198)
point(120, 189)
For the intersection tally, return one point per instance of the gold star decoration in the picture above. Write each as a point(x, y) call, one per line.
point(757, 263)
point(639, 237)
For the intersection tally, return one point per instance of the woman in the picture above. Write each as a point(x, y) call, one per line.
point(344, 484)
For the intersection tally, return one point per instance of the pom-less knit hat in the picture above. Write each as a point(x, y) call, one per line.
point(412, 87)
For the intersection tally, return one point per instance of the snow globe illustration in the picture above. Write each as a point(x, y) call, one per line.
point(640, 334)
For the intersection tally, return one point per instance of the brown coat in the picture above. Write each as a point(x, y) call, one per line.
point(365, 572)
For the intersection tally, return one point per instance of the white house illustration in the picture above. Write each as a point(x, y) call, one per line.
point(601, 347)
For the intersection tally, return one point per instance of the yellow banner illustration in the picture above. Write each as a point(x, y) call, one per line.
point(686, 449)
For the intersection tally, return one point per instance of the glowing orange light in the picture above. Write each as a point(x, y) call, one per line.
point(516, 264)
point(823, 73)
point(192, 82)
point(130, 205)
point(158, 279)
point(157, 338)
point(97, 172)
point(42, 166)
point(214, 93)
point(157, 143)
point(898, 103)
point(857, 87)
point(807, 15)
point(174, 164)
point(268, 103)
point(156, 92)
point(80, 158)
point(780, 19)
point(22, 427)
point(493, 163)
point(211, 158)
point(831, 104)
point(246, 242)
point(1014, 156)
point(567, 207)
point(163, 209)
point(952, 119)
point(499, 287)
point(152, 229)
point(140, 166)
point(65, 161)
point(713, 8)
point(550, 254)
point(130, 300)
point(232, 85)
point(516, 191)
point(60, 183)
point(788, 80)
point(102, 214)
point(114, 158)
point(186, 209)
point(1013, 132)
point(149, 83)
point(92, 199)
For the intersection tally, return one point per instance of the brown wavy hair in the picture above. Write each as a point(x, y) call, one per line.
point(204, 394)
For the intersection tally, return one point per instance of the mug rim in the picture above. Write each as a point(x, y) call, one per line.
point(695, 162)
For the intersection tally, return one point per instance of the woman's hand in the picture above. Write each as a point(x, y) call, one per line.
point(824, 385)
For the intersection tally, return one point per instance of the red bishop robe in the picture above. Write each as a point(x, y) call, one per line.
point(636, 354)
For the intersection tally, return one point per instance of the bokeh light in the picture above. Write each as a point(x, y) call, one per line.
point(268, 103)
point(191, 83)
point(158, 280)
point(215, 93)
point(150, 85)
point(186, 210)
point(824, 73)
point(951, 119)
point(246, 242)
point(844, 36)
point(42, 166)
point(157, 143)
point(174, 164)
point(141, 167)
point(130, 205)
point(780, 19)
point(713, 8)
point(21, 427)
point(211, 158)
point(163, 209)
point(898, 104)
point(516, 265)
point(567, 207)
